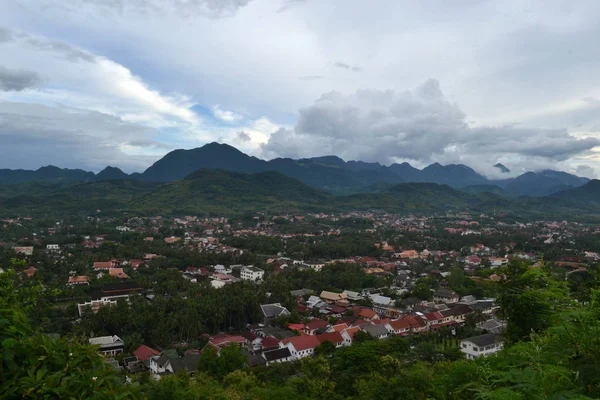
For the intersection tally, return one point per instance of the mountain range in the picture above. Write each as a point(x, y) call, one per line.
point(329, 173)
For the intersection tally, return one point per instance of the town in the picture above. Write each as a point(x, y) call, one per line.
point(155, 295)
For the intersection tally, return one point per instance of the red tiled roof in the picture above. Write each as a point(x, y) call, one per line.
point(414, 322)
point(144, 352)
point(435, 326)
point(400, 324)
point(434, 316)
point(270, 342)
point(352, 331)
point(103, 265)
point(366, 313)
point(304, 342)
point(333, 337)
point(317, 323)
point(296, 327)
point(340, 327)
point(221, 340)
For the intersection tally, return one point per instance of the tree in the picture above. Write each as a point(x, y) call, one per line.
point(528, 300)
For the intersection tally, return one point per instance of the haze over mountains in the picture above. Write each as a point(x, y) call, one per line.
point(329, 173)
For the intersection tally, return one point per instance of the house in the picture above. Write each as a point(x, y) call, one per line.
point(117, 273)
point(416, 324)
point(78, 280)
point(272, 311)
point(222, 340)
point(277, 356)
point(251, 273)
point(377, 331)
point(436, 320)
point(332, 296)
point(409, 254)
point(492, 326)
point(98, 265)
point(457, 313)
point(315, 325)
point(314, 301)
point(301, 346)
point(354, 296)
point(117, 290)
point(366, 314)
point(334, 337)
point(30, 272)
point(144, 353)
point(219, 280)
point(95, 305)
point(445, 296)
point(170, 362)
point(481, 346)
point(348, 335)
point(25, 250)
point(398, 327)
point(52, 247)
point(109, 345)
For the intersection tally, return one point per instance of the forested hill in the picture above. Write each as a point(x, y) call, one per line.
point(217, 192)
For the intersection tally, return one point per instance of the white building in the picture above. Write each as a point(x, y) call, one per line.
point(109, 345)
point(52, 247)
point(251, 273)
point(481, 346)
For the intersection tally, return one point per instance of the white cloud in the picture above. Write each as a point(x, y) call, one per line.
point(225, 115)
point(420, 126)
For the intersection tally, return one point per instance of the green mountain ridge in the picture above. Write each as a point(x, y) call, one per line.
point(219, 192)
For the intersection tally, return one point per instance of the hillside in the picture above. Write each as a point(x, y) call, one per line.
point(218, 192)
point(203, 192)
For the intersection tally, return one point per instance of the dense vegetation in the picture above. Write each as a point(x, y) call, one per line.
point(553, 353)
point(216, 192)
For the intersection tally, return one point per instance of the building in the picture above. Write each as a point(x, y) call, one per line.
point(52, 247)
point(302, 346)
point(95, 305)
point(78, 280)
point(445, 296)
point(481, 346)
point(272, 311)
point(109, 345)
point(251, 273)
point(25, 250)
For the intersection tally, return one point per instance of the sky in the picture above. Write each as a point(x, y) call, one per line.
point(90, 83)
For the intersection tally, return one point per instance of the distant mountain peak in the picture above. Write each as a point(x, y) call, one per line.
point(502, 168)
point(110, 174)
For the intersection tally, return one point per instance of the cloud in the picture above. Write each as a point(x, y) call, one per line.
point(311, 78)
point(132, 8)
point(420, 126)
point(289, 4)
point(225, 115)
point(586, 171)
point(339, 64)
point(17, 80)
point(87, 80)
point(242, 137)
point(33, 135)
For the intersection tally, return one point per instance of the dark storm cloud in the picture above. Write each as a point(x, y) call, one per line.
point(17, 80)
